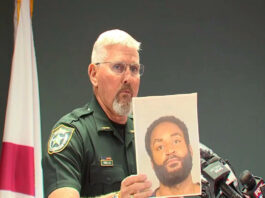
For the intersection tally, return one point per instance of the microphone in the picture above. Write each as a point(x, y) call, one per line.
point(253, 186)
point(219, 174)
point(209, 156)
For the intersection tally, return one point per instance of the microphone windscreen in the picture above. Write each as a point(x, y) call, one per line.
point(247, 180)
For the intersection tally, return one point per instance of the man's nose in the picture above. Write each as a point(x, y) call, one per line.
point(127, 74)
point(170, 149)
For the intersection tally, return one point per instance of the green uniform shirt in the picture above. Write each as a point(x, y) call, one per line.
point(86, 152)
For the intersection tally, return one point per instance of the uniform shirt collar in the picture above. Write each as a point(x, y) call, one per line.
point(103, 123)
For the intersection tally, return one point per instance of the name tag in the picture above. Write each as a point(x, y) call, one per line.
point(106, 161)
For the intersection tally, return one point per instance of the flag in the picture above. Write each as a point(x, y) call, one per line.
point(20, 162)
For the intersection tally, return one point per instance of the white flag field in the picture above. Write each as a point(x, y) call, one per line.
point(20, 162)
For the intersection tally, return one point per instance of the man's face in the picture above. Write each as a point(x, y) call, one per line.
point(111, 86)
point(171, 157)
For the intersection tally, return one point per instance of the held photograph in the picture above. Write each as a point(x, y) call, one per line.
point(167, 143)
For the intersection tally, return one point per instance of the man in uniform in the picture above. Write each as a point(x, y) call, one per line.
point(168, 145)
point(91, 150)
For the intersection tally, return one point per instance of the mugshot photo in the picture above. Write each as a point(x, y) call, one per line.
point(167, 143)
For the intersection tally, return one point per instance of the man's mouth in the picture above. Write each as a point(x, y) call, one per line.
point(173, 163)
point(126, 91)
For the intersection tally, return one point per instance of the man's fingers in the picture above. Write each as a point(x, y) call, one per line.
point(136, 185)
point(147, 193)
point(133, 179)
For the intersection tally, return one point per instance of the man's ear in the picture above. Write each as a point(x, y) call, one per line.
point(190, 149)
point(92, 73)
point(152, 163)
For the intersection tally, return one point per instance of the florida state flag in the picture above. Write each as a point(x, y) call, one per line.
point(20, 162)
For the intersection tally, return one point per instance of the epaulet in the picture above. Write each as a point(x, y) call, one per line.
point(82, 111)
point(75, 115)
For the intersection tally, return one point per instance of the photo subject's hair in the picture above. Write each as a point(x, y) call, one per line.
point(160, 120)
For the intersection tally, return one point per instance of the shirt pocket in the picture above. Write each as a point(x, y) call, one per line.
point(106, 179)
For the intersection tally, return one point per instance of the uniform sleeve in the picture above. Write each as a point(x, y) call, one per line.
point(63, 168)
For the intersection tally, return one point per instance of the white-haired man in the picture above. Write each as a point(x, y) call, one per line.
point(91, 150)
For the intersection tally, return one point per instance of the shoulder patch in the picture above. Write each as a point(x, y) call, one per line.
point(60, 138)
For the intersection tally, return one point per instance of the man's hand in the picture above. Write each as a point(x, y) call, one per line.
point(65, 192)
point(136, 186)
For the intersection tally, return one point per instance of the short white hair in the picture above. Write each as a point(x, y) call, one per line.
point(112, 37)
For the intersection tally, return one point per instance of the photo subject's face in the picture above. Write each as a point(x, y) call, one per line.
point(171, 157)
point(168, 145)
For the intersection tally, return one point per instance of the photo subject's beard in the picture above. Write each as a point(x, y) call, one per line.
point(122, 105)
point(172, 178)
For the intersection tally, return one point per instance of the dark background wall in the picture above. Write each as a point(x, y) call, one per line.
point(6, 50)
point(213, 47)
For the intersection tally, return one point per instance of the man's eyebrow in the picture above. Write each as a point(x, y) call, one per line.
point(157, 140)
point(172, 135)
point(176, 134)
